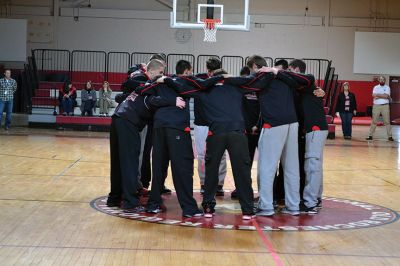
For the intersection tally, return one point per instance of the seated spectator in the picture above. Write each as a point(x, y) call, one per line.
point(88, 97)
point(105, 101)
point(67, 99)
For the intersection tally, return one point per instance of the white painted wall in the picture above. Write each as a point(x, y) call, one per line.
point(335, 43)
point(332, 36)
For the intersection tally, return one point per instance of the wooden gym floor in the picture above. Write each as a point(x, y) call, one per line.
point(48, 178)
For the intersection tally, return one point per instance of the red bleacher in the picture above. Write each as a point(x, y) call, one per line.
point(46, 96)
point(82, 120)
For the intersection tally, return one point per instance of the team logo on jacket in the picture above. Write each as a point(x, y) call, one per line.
point(336, 214)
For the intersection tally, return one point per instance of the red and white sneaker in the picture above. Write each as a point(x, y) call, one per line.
point(208, 215)
point(248, 216)
point(208, 211)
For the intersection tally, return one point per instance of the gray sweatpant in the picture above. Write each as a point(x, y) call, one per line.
point(315, 143)
point(200, 136)
point(279, 144)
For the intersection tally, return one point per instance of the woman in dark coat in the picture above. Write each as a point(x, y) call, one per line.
point(346, 107)
point(88, 97)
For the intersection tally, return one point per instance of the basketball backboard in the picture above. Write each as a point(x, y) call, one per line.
point(233, 14)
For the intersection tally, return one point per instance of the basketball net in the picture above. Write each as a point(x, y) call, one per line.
point(210, 29)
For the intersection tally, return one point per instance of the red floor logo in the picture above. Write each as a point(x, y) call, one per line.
point(336, 214)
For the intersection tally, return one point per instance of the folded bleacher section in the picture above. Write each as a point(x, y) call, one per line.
point(56, 67)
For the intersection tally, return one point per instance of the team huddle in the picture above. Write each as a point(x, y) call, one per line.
point(277, 109)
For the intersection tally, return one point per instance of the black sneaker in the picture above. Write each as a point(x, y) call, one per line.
point(137, 209)
point(369, 138)
point(319, 204)
point(197, 213)
point(220, 191)
point(113, 204)
point(144, 192)
point(202, 190)
point(166, 190)
point(390, 139)
point(304, 209)
point(234, 194)
point(154, 209)
point(312, 210)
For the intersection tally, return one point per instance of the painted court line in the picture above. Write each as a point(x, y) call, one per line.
point(198, 251)
point(68, 167)
point(45, 200)
point(268, 244)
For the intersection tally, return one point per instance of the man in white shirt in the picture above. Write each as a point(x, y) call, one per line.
point(381, 95)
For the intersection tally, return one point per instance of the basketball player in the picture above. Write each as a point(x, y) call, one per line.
point(279, 189)
point(128, 120)
point(172, 140)
point(316, 129)
point(227, 127)
point(278, 142)
point(279, 192)
point(146, 137)
point(201, 131)
point(251, 115)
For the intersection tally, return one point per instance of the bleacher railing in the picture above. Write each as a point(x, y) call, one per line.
point(88, 65)
point(232, 64)
point(172, 59)
point(138, 58)
point(270, 60)
point(201, 62)
point(334, 101)
point(79, 66)
point(317, 67)
point(117, 64)
point(52, 63)
point(328, 86)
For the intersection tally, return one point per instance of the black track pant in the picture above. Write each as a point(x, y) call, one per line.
point(252, 140)
point(145, 176)
point(279, 189)
point(175, 145)
point(237, 146)
point(124, 151)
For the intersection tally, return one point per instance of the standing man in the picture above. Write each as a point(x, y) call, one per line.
point(8, 87)
point(201, 132)
point(172, 141)
point(381, 96)
point(312, 115)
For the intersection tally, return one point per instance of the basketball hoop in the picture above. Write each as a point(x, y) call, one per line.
point(210, 29)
